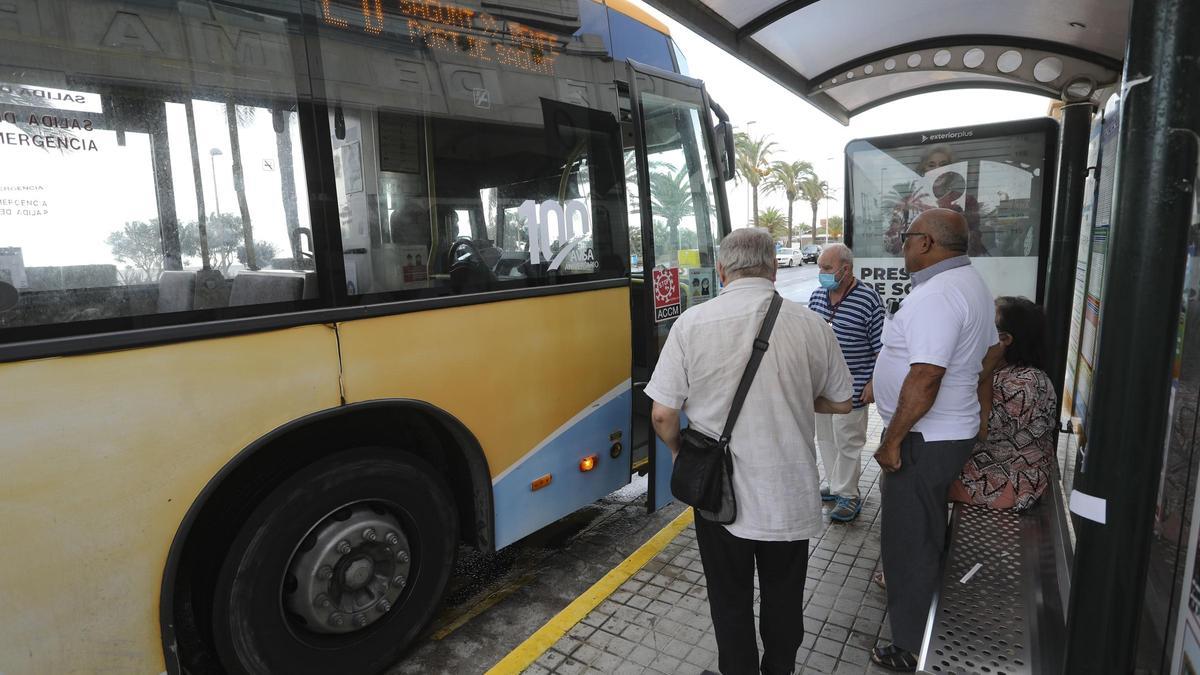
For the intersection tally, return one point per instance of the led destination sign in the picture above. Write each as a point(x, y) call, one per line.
point(447, 28)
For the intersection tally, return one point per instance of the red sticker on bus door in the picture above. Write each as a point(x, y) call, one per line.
point(666, 294)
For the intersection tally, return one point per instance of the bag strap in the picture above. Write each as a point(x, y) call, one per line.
point(761, 342)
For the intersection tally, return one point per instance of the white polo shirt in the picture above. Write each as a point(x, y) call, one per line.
point(775, 467)
point(948, 320)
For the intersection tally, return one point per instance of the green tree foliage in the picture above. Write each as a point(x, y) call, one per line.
point(751, 162)
point(139, 245)
point(788, 178)
point(837, 227)
point(226, 243)
point(814, 190)
point(671, 200)
point(772, 221)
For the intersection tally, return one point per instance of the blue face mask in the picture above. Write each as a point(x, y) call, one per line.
point(828, 281)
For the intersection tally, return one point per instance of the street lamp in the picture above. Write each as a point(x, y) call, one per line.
point(212, 161)
point(748, 187)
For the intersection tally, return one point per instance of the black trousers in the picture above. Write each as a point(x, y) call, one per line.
point(913, 530)
point(729, 564)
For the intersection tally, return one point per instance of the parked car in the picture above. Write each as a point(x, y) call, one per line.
point(787, 257)
point(810, 253)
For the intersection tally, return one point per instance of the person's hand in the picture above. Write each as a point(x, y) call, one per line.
point(888, 456)
point(868, 393)
point(992, 358)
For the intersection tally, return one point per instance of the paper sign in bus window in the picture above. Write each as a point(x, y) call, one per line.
point(666, 294)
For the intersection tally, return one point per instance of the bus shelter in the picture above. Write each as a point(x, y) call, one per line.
point(847, 57)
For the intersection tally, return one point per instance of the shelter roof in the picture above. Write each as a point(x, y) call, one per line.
point(847, 56)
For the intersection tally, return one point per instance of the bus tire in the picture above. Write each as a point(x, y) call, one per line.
point(338, 569)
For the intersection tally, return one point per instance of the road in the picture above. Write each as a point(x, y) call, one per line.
point(797, 283)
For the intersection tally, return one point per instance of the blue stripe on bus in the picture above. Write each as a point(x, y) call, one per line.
point(520, 511)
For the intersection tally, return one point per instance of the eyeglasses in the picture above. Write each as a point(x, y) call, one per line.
point(905, 235)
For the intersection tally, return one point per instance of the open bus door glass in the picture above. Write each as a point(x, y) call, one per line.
point(680, 209)
point(999, 176)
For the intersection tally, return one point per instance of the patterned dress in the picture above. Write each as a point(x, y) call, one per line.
point(1020, 443)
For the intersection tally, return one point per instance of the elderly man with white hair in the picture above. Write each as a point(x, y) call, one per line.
point(774, 465)
point(855, 312)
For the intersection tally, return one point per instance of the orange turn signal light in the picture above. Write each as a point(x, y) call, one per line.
point(587, 463)
point(540, 483)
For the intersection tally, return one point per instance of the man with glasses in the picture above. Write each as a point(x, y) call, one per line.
point(927, 389)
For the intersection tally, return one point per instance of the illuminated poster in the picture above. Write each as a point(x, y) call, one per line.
point(1097, 243)
point(1079, 293)
point(997, 176)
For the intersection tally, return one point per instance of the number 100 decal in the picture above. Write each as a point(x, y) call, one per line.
point(537, 218)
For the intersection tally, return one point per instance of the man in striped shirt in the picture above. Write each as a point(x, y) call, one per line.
point(855, 312)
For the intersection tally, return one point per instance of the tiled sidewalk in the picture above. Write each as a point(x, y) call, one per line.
point(658, 621)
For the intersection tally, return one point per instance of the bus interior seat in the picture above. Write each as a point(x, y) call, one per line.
point(311, 290)
point(255, 288)
point(491, 254)
point(176, 291)
point(212, 290)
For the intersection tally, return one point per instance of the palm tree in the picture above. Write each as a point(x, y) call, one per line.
point(751, 162)
point(788, 178)
point(671, 199)
point(287, 181)
point(772, 221)
point(814, 190)
point(240, 116)
point(836, 227)
point(631, 177)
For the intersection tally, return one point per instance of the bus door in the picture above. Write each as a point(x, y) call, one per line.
point(680, 207)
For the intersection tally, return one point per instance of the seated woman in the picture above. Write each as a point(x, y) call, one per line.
point(1011, 468)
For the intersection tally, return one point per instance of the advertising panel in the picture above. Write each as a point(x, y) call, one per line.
point(998, 176)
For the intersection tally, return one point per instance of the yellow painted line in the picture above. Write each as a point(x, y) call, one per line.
point(528, 651)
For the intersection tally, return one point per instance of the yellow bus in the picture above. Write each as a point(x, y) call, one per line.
point(253, 405)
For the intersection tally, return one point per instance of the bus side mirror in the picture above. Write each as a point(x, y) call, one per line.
point(724, 134)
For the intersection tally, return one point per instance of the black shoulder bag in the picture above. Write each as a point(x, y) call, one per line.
point(703, 473)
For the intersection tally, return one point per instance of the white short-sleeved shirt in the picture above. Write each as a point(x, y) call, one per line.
point(948, 320)
point(775, 470)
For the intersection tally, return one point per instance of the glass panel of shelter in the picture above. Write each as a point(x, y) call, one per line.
point(115, 162)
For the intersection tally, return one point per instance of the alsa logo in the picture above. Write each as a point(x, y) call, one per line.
point(947, 136)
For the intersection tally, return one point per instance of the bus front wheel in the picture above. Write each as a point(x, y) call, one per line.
point(338, 569)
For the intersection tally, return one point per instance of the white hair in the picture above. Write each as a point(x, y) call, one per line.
point(843, 252)
point(748, 252)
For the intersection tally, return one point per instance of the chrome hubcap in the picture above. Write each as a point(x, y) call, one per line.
point(349, 571)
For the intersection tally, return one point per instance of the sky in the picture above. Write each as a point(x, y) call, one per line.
point(760, 106)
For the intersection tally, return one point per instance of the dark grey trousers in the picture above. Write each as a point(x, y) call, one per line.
point(913, 530)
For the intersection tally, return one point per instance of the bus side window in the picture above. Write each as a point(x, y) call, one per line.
point(506, 205)
point(119, 201)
